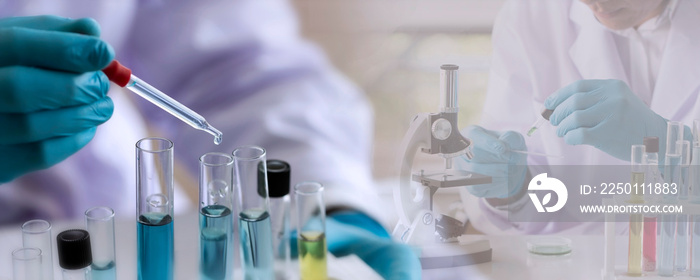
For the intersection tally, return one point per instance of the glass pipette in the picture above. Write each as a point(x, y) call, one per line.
point(545, 118)
point(122, 76)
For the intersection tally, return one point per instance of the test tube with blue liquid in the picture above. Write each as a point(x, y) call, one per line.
point(254, 223)
point(215, 218)
point(667, 222)
point(154, 209)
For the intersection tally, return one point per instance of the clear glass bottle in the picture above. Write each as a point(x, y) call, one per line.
point(278, 183)
point(74, 254)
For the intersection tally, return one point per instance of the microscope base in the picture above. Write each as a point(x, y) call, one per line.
point(455, 254)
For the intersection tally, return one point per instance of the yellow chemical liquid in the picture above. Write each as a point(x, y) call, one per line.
point(312, 256)
point(634, 258)
point(637, 195)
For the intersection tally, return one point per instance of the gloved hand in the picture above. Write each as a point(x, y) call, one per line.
point(351, 232)
point(52, 92)
point(493, 157)
point(604, 114)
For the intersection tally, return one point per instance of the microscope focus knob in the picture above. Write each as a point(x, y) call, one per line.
point(441, 129)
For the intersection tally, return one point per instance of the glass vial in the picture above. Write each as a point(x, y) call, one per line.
point(311, 231)
point(26, 264)
point(99, 222)
point(278, 182)
point(74, 254)
point(215, 216)
point(667, 222)
point(254, 219)
point(154, 208)
point(37, 234)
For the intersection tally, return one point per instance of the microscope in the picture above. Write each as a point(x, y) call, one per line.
point(428, 232)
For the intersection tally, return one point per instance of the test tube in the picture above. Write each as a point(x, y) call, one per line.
point(37, 234)
point(682, 222)
point(634, 260)
point(311, 230)
point(694, 197)
point(254, 218)
point(695, 246)
point(278, 182)
point(154, 208)
point(74, 254)
point(26, 264)
point(652, 176)
point(546, 113)
point(215, 218)
point(667, 222)
point(99, 222)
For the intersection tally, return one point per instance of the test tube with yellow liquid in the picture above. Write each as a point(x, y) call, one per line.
point(311, 231)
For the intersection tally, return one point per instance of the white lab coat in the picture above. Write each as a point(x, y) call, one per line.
point(542, 46)
point(240, 64)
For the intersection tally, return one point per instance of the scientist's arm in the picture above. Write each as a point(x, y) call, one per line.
point(52, 94)
point(607, 115)
point(243, 66)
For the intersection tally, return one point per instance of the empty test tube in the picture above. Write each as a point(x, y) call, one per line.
point(26, 264)
point(122, 76)
point(545, 118)
point(37, 234)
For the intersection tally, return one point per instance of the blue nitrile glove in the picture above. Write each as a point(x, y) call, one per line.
point(52, 92)
point(493, 157)
point(351, 232)
point(605, 114)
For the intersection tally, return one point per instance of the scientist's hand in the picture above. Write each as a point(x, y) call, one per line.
point(493, 157)
point(352, 232)
point(604, 114)
point(52, 94)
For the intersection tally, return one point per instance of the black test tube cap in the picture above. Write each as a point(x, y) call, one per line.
point(546, 113)
point(74, 251)
point(651, 144)
point(278, 178)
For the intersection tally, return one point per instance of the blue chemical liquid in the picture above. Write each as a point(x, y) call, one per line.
point(155, 246)
point(107, 272)
point(256, 244)
point(216, 243)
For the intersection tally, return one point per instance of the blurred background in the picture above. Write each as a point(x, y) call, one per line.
point(392, 49)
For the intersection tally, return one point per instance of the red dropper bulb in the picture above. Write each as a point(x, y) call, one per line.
point(117, 73)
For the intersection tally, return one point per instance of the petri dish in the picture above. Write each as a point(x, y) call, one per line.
point(549, 246)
